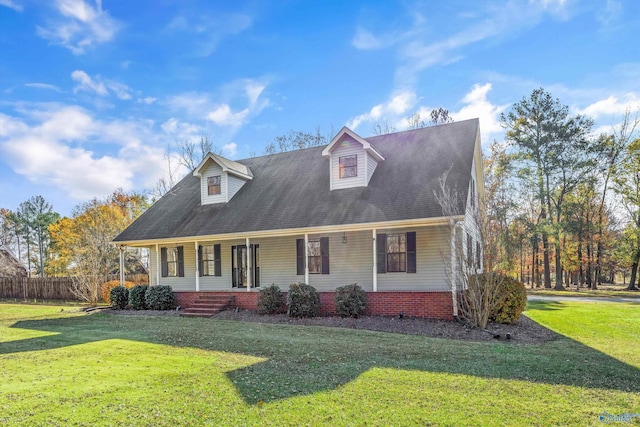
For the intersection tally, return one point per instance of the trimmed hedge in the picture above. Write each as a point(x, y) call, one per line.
point(351, 300)
point(160, 298)
point(119, 297)
point(303, 300)
point(270, 300)
point(137, 298)
point(511, 301)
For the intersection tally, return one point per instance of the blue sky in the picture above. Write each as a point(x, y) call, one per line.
point(92, 92)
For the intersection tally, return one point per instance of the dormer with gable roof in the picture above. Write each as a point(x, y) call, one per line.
point(220, 178)
point(352, 160)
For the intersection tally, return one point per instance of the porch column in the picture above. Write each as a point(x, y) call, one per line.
point(197, 268)
point(375, 262)
point(306, 258)
point(121, 265)
point(454, 268)
point(248, 255)
point(158, 266)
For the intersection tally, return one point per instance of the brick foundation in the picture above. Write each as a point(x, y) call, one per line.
point(432, 305)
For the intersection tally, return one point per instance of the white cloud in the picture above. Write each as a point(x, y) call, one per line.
point(400, 107)
point(223, 116)
point(67, 148)
point(365, 40)
point(87, 84)
point(476, 105)
point(180, 130)
point(230, 149)
point(43, 86)
point(612, 106)
point(209, 30)
point(99, 86)
point(397, 105)
point(80, 26)
point(12, 5)
point(147, 100)
point(418, 49)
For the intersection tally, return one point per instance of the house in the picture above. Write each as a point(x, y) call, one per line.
point(359, 210)
point(10, 266)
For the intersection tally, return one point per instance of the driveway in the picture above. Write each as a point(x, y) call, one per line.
point(577, 298)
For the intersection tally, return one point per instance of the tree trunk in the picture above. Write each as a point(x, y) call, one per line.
point(634, 271)
point(545, 261)
point(558, 286)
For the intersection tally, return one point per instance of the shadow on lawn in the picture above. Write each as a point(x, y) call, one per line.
point(303, 360)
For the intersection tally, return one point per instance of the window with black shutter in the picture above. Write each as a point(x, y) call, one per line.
point(172, 260)
point(317, 256)
point(396, 252)
point(209, 259)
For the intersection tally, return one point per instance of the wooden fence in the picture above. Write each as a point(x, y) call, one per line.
point(50, 288)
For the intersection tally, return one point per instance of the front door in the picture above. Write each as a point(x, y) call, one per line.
point(239, 267)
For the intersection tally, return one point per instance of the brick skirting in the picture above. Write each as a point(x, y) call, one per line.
point(432, 305)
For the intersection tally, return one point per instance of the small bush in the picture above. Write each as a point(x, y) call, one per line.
point(137, 298)
point(510, 302)
point(351, 300)
point(270, 300)
point(105, 288)
point(119, 297)
point(303, 300)
point(160, 298)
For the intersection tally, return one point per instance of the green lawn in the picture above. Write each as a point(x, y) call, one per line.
point(59, 368)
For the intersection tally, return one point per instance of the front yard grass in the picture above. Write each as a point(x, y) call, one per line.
point(60, 368)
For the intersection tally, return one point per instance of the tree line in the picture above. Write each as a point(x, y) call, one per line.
point(563, 201)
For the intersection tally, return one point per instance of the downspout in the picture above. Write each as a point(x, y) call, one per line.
point(121, 265)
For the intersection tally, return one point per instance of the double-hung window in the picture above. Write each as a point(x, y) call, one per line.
point(396, 252)
point(317, 256)
point(213, 185)
point(348, 166)
point(172, 260)
point(209, 259)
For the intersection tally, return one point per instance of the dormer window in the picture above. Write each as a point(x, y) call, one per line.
point(213, 185)
point(348, 166)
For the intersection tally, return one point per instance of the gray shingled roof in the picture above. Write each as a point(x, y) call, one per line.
point(291, 189)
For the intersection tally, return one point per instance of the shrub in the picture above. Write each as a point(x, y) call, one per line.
point(510, 302)
point(351, 300)
point(270, 300)
point(119, 297)
point(137, 298)
point(303, 300)
point(105, 288)
point(160, 298)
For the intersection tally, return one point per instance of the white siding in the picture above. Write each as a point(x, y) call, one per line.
point(433, 245)
point(212, 170)
point(348, 147)
point(350, 262)
point(235, 184)
point(371, 166)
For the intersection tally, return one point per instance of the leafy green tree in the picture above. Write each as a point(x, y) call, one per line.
point(627, 186)
point(550, 147)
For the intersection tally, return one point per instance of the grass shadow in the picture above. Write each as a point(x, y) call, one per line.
point(303, 360)
point(544, 305)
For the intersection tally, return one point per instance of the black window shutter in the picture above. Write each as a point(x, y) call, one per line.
point(411, 252)
point(381, 252)
point(180, 261)
point(218, 262)
point(200, 261)
point(324, 251)
point(163, 261)
point(234, 270)
point(300, 257)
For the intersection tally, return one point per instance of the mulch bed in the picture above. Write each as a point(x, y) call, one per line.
point(525, 331)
